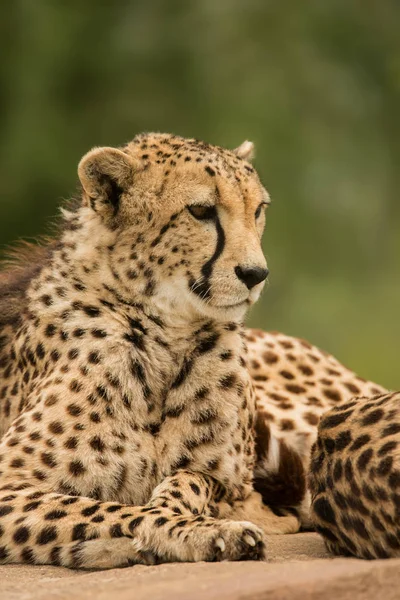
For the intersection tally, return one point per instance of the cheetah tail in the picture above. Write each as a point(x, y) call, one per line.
point(279, 474)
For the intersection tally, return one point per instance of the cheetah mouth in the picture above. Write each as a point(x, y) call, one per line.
point(235, 305)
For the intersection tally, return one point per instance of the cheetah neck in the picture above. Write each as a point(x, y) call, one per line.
point(76, 308)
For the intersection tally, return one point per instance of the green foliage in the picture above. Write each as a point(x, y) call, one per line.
point(316, 85)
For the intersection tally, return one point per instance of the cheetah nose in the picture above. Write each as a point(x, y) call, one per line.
point(251, 276)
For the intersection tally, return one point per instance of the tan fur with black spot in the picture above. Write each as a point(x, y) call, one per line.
point(295, 384)
point(355, 477)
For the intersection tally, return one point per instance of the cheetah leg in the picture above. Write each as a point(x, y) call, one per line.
point(78, 532)
point(190, 503)
point(255, 511)
point(44, 528)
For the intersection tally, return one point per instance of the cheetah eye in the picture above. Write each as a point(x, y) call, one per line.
point(259, 209)
point(202, 213)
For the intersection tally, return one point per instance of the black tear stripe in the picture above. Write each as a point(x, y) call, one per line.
point(203, 288)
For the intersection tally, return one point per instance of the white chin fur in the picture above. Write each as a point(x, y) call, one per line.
point(230, 313)
point(174, 297)
point(255, 293)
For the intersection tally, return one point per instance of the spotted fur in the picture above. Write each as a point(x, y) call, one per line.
point(128, 396)
point(126, 406)
point(295, 384)
point(355, 477)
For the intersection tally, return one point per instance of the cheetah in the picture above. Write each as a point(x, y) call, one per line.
point(127, 410)
point(355, 477)
point(295, 383)
point(140, 421)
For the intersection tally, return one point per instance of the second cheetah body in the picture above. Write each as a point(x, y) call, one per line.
point(355, 477)
point(295, 384)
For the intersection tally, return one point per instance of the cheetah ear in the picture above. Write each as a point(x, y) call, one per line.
point(105, 173)
point(245, 150)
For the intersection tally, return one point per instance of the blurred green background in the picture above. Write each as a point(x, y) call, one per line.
point(315, 85)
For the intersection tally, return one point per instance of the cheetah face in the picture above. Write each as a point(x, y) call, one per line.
point(224, 269)
point(188, 219)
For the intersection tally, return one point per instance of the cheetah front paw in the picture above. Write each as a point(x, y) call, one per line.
point(220, 540)
point(207, 540)
point(239, 540)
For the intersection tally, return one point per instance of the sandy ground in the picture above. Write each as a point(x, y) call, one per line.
point(298, 568)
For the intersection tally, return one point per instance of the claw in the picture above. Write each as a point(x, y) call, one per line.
point(249, 540)
point(220, 544)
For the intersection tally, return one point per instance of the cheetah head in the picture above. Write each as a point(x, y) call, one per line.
point(187, 219)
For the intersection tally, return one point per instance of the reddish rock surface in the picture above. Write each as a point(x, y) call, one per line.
point(299, 568)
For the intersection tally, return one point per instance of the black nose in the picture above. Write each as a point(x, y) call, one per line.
point(251, 275)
